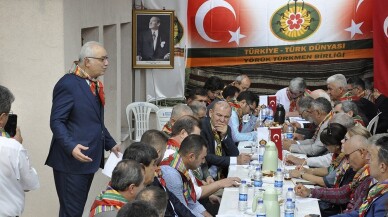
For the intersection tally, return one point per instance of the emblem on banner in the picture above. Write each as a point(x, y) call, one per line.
point(294, 22)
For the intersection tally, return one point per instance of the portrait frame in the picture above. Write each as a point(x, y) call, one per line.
point(150, 48)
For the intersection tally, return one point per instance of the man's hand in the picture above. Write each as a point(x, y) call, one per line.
point(229, 182)
point(116, 149)
point(77, 153)
point(298, 136)
point(243, 159)
point(287, 144)
point(292, 160)
point(209, 180)
point(214, 199)
point(167, 56)
point(222, 129)
point(376, 93)
point(302, 191)
point(18, 135)
point(206, 214)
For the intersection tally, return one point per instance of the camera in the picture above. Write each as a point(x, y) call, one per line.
point(10, 127)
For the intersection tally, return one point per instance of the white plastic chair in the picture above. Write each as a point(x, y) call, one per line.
point(373, 124)
point(141, 111)
point(163, 116)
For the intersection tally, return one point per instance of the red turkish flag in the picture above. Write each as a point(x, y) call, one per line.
point(276, 137)
point(380, 45)
point(212, 23)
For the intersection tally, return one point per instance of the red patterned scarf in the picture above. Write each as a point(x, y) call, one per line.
point(93, 83)
point(176, 161)
point(167, 128)
point(341, 170)
point(348, 96)
point(108, 200)
point(375, 192)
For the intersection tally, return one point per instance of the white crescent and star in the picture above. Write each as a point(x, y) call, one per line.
point(354, 28)
point(202, 12)
point(274, 137)
point(385, 26)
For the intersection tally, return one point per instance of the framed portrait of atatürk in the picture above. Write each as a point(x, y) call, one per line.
point(152, 39)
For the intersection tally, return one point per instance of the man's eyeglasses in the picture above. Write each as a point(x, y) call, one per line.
point(347, 155)
point(102, 59)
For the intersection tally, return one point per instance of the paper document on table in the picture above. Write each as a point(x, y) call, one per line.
point(305, 200)
point(111, 164)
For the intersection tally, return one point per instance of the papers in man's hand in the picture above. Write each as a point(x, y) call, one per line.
point(111, 164)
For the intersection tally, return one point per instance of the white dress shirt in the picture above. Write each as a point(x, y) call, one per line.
point(16, 176)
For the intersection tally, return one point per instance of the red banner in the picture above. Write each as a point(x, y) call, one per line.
point(380, 44)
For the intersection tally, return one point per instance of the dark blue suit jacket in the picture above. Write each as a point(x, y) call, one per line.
point(77, 117)
point(145, 45)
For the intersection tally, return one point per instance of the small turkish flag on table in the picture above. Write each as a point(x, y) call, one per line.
point(276, 137)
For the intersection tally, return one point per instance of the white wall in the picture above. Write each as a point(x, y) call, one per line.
point(39, 39)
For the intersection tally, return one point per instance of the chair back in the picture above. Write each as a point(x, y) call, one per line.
point(372, 126)
point(163, 116)
point(141, 111)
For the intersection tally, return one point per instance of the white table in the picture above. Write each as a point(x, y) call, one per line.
point(229, 202)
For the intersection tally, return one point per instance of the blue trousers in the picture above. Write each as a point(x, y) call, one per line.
point(72, 190)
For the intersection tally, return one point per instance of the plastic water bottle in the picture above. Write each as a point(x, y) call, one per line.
point(257, 181)
point(243, 196)
point(269, 120)
point(289, 208)
point(290, 131)
point(279, 181)
point(290, 194)
point(260, 154)
point(260, 210)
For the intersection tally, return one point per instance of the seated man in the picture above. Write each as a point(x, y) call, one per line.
point(197, 94)
point(349, 108)
point(145, 155)
point(290, 95)
point(307, 130)
point(364, 103)
point(158, 140)
point(156, 197)
point(382, 105)
point(222, 151)
point(338, 90)
point(320, 113)
point(246, 104)
point(138, 208)
point(375, 203)
point(230, 93)
point(178, 176)
point(127, 180)
point(353, 193)
point(178, 111)
point(242, 82)
point(199, 109)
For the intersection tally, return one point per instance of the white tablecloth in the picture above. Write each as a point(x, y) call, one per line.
point(229, 202)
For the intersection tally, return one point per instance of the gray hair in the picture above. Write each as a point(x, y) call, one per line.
point(381, 140)
point(239, 78)
point(297, 85)
point(87, 50)
point(321, 104)
point(180, 110)
point(155, 196)
point(196, 107)
point(343, 119)
point(338, 79)
point(304, 102)
point(359, 141)
point(6, 99)
point(348, 106)
point(126, 173)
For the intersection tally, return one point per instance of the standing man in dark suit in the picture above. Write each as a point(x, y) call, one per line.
point(222, 150)
point(79, 133)
point(153, 44)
